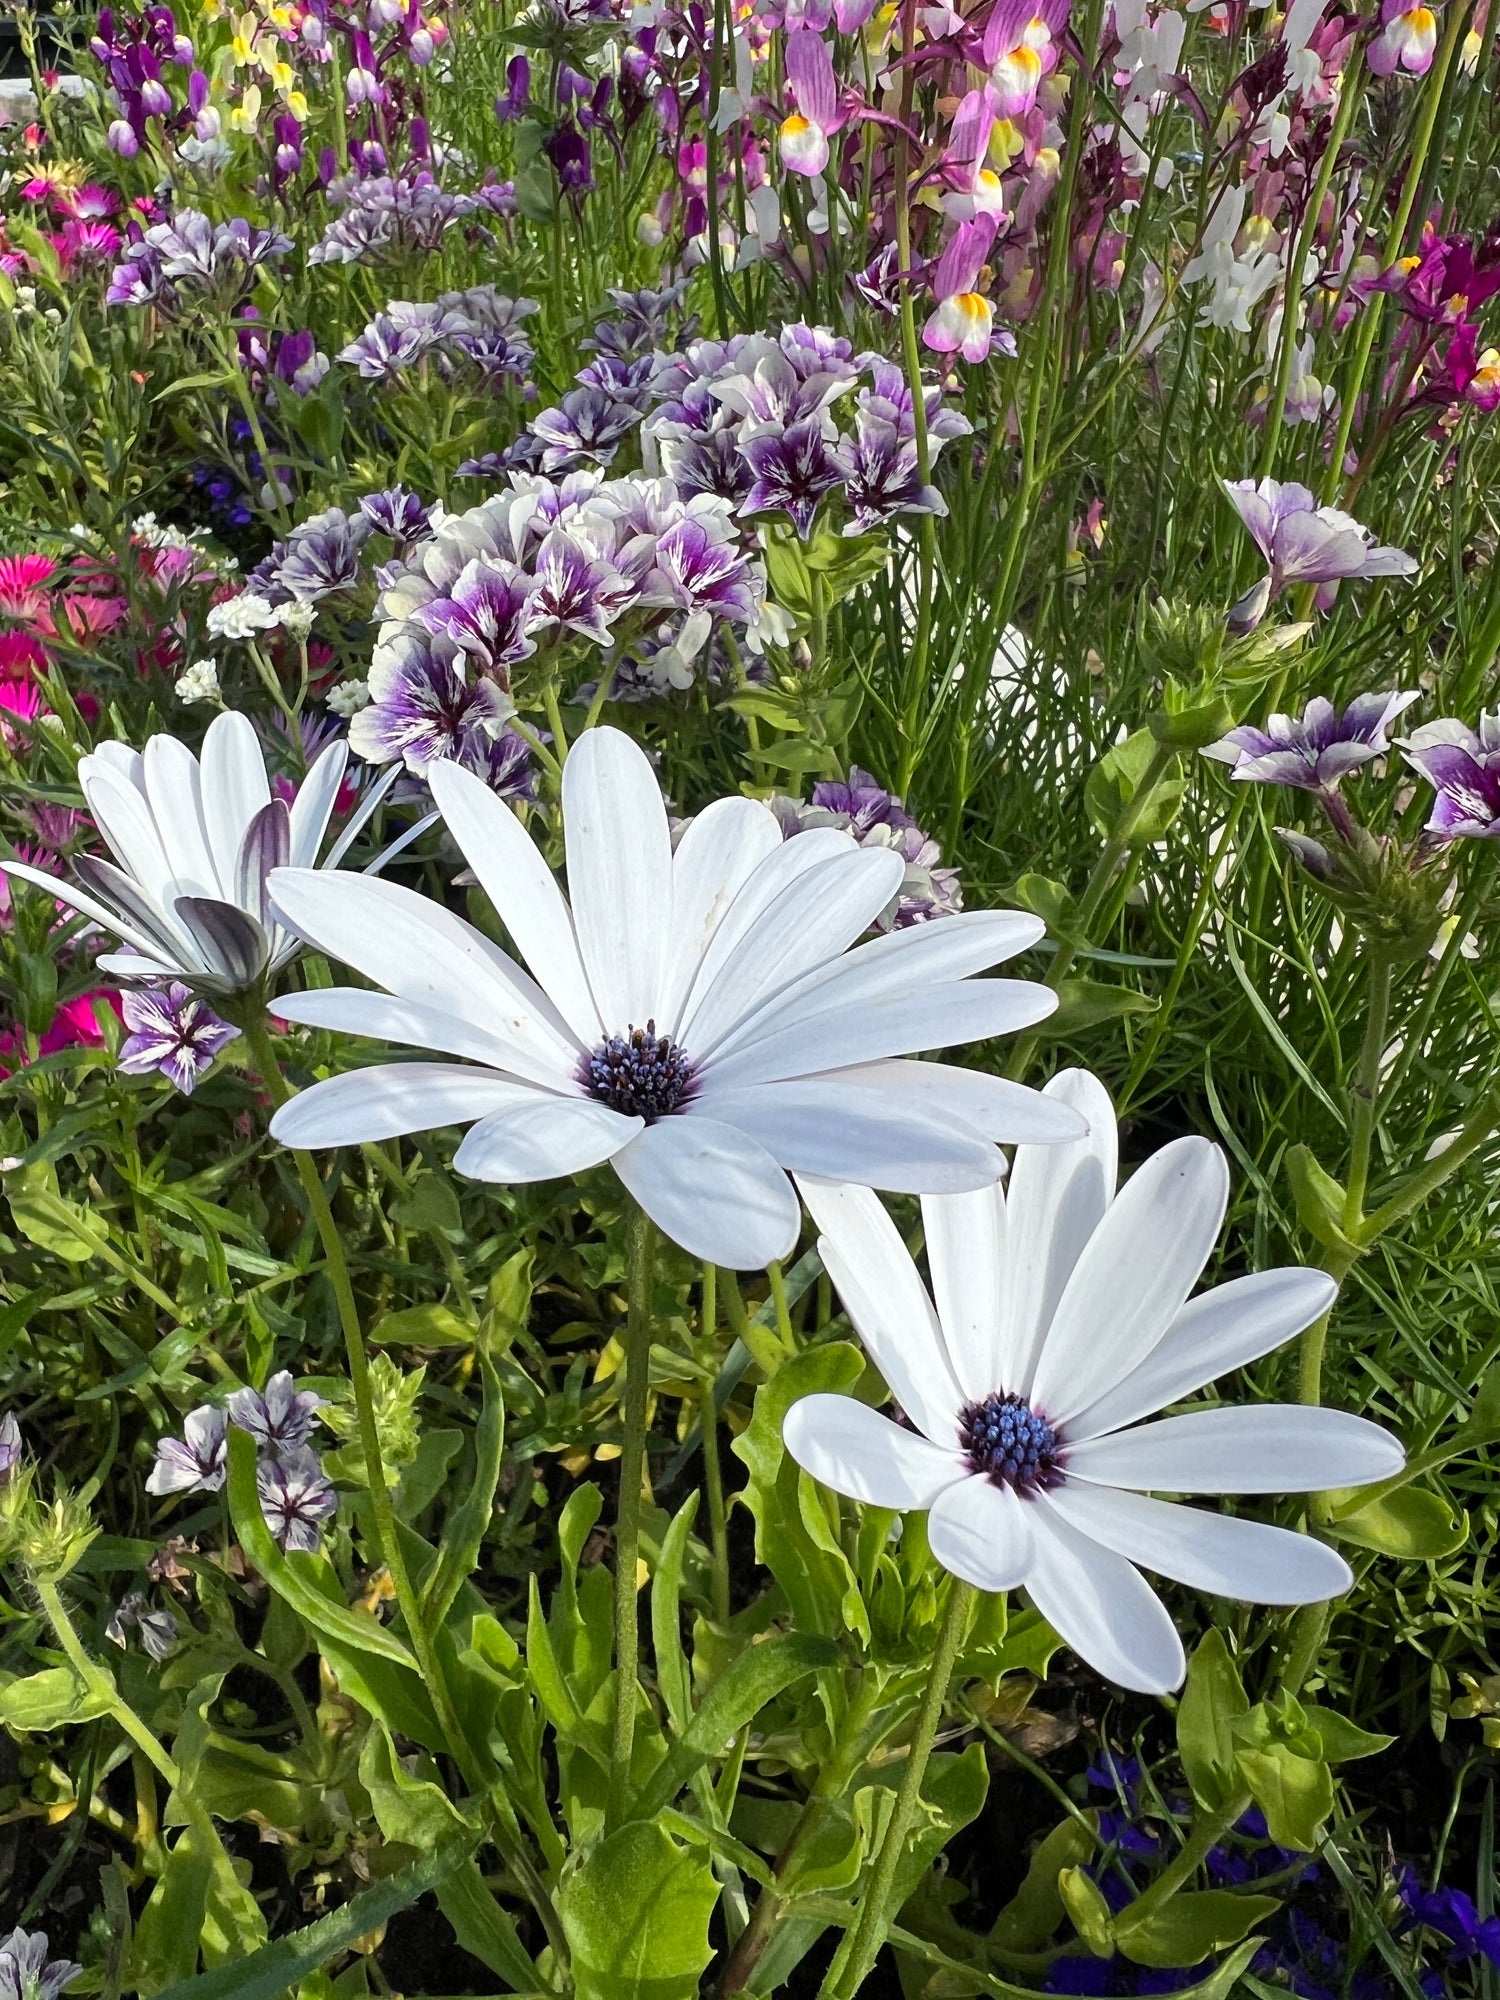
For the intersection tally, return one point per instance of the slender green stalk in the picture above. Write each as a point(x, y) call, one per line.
point(1365, 1094)
point(879, 1908)
point(1207, 1832)
point(713, 1471)
point(99, 1682)
point(640, 1245)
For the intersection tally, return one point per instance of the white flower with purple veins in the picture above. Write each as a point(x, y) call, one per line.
point(319, 557)
point(133, 1613)
point(1312, 754)
point(193, 844)
point(174, 1033)
point(1305, 543)
point(793, 472)
point(1463, 767)
point(696, 1017)
point(423, 707)
point(193, 253)
point(1059, 1318)
point(27, 1973)
point(279, 1417)
point(195, 1462)
point(699, 565)
point(487, 614)
point(296, 1498)
point(578, 588)
point(11, 1447)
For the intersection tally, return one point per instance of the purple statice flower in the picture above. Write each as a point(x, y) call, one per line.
point(640, 323)
point(588, 426)
point(27, 1973)
point(880, 475)
point(133, 1613)
point(1304, 543)
point(578, 589)
point(11, 1447)
point(423, 705)
point(487, 613)
point(694, 568)
point(1312, 754)
point(504, 763)
point(398, 514)
point(319, 557)
point(190, 256)
point(394, 341)
point(1463, 767)
point(859, 803)
point(793, 471)
point(195, 1462)
point(877, 818)
point(172, 1033)
point(296, 1497)
point(280, 1417)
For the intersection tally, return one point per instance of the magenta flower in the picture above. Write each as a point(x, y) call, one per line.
point(1463, 767)
point(1314, 753)
point(1304, 543)
point(173, 1034)
point(1019, 49)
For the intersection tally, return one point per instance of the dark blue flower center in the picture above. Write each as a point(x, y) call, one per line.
point(641, 1074)
point(1010, 1443)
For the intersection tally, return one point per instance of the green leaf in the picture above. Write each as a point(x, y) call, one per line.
point(751, 1680)
point(1049, 900)
point(1412, 1523)
point(411, 1810)
point(1088, 1003)
point(635, 1913)
point(1320, 1199)
point(485, 1929)
point(266, 1973)
point(1084, 1902)
point(423, 1326)
point(1212, 1700)
point(546, 1676)
point(673, 1678)
point(507, 1312)
point(1035, 1911)
point(1342, 1739)
point(1194, 1923)
point(1113, 784)
point(468, 1523)
point(428, 1204)
point(50, 1222)
point(48, 1700)
point(1294, 1792)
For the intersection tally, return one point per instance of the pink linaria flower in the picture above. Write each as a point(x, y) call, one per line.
point(809, 75)
point(964, 321)
point(1407, 39)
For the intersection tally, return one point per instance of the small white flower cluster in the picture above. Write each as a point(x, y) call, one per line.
point(247, 615)
point(199, 683)
point(349, 697)
point(146, 528)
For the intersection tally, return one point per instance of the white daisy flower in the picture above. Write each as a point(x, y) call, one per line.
point(696, 1018)
point(194, 844)
point(1061, 1319)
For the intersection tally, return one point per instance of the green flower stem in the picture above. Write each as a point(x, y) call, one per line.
point(97, 1681)
point(1472, 1134)
point(387, 1540)
point(640, 1246)
point(554, 717)
point(1366, 1092)
point(878, 1908)
point(1207, 1832)
point(713, 1471)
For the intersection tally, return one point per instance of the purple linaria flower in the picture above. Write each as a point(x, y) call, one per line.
point(1463, 767)
point(26, 1972)
point(296, 1497)
point(1312, 754)
point(133, 1613)
point(280, 1417)
point(423, 706)
point(10, 1447)
point(1304, 543)
point(487, 613)
point(195, 1462)
point(793, 471)
point(171, 1032)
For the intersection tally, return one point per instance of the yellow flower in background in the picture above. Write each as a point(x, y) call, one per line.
point(246, 114)
point(242, 48)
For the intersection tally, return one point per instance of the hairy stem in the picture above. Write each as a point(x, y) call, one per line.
point(640, 1245)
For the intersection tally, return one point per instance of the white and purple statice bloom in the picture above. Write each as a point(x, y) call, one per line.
point(193, 842)
point(192, 261)
point(279, 1417)
point(196, 1462)
point(26, 1970)
point(1463, 767)
point(318, 559)
point(1304, 543)
point(695, 1016)
point(1059, 1318)
point(1313, 752)
point(172, 1033)
point(296, 1498)
point(465, 334)
point(11, 1447)
point(877, 818)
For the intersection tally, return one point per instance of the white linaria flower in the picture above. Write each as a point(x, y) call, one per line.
point(193, 844)
point(697, 1018)
point(1061, 1318)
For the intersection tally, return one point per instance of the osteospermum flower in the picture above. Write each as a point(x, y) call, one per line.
point(1312, 754)
point(193, 843)
point(1062, 1318)
point(693, 1017)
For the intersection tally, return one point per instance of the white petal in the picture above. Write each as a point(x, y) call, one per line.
point(982, 1533)
point(235, 785)
point(517, 880)
point(967, 1256)
point(713, 1191)
point(124, 818)
point(848, 1132)
point(86, 905)
point(135, 965)
point(423, 953)
point(353, 1010)
point(543, 1138)
point(932, 1017)
point(313, 806)
point(884, 1296)
point(1252, 1448)
point(857, 1451)
point(970, 941)
point(993, 1106)
point(1057, 1197)
point(813, 920)
point(716, 856)
point(1102, 1606)
point(619, 874)
point(1249, 1560)
point(1133, 1276)
point(174, 792)
point(1226, 1328)
point(388, 1101)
